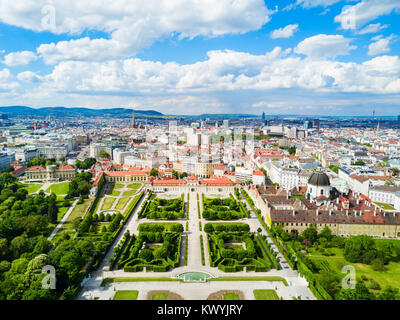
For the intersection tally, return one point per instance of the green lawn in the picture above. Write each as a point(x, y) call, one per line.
point(107, 203)
point(78, 211)
point(32, 187)
point(134, 185)
point(122, 203)
point(385, 206)
point(58, 188)
point(118, 186)
point(391, 275)
point(265, 294)
point(129, 193)
point(160, 296)
point(115, 193)
point(126, 295)
point(231, 296)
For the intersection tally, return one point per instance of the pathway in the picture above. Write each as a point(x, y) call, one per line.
point(64, 218)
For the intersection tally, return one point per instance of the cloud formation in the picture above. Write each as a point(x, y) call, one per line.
point(131, 24)
point(285, 32)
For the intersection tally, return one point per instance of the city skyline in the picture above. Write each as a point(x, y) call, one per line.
point(315, 58)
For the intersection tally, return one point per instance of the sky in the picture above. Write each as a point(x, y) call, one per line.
point(188, 57)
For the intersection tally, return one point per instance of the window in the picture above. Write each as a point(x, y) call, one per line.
point(322, 191)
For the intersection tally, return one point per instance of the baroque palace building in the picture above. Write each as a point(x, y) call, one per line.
point(346, 215)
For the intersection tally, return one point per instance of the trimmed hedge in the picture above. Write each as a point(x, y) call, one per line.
point(186, 250)
point(203, 259)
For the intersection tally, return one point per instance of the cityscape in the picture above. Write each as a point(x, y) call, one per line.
point(194, 162)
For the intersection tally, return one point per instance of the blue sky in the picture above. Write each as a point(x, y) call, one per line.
point(312, 57)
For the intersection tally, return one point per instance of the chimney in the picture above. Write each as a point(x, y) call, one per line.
point(358, 201)
point(317, 212)
point(294, 213)
point(347, 213)
point(330, 212)
point(375, 212)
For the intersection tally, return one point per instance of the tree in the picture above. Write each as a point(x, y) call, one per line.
point(52, 208)
point(177, 228)
point(7, 178)
point(361, 292)
point(311, 233)
point(154, 172)
point(326, 233)
point(146, 254)
point(19, 245)
point(103, 154)
point(389, 293)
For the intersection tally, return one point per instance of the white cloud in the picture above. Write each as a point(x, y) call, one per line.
point(316, 3)
point(366, 11)
point(20, 58)
point(325, 46)
point(379, 46)
point(222, 71)
point(28, 76)
point(373, 28)
point(285, 32)
point(130, 24)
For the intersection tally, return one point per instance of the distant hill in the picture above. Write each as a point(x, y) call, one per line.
point(76, 112)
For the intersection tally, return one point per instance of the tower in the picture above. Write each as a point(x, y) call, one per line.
point(132, 123)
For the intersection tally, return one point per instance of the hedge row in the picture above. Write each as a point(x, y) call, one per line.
point(227, 227)
point(231, 265)
point(186, 250)
point(144, 207)
point(118, 250)
point(133, 205)
point(203, 259)
point(268, 254)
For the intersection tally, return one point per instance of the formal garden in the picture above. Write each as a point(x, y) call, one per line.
point(168, 209)
point(222, 209)
point(232, 248)
point(157, 248)
point(320, 257)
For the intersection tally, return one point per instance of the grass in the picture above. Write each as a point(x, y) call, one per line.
point(231, 296)
point(118, 186)
point(265, 294)
point(115, 193)
point(391, 275)
point(59, 188)
point(385, 206)
point(160, 296)
point(134, 185)
point(78, 211)
point(107, 203)
point(32, 187)
point(122, 203)
point(129, 193)
point(126, 295)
